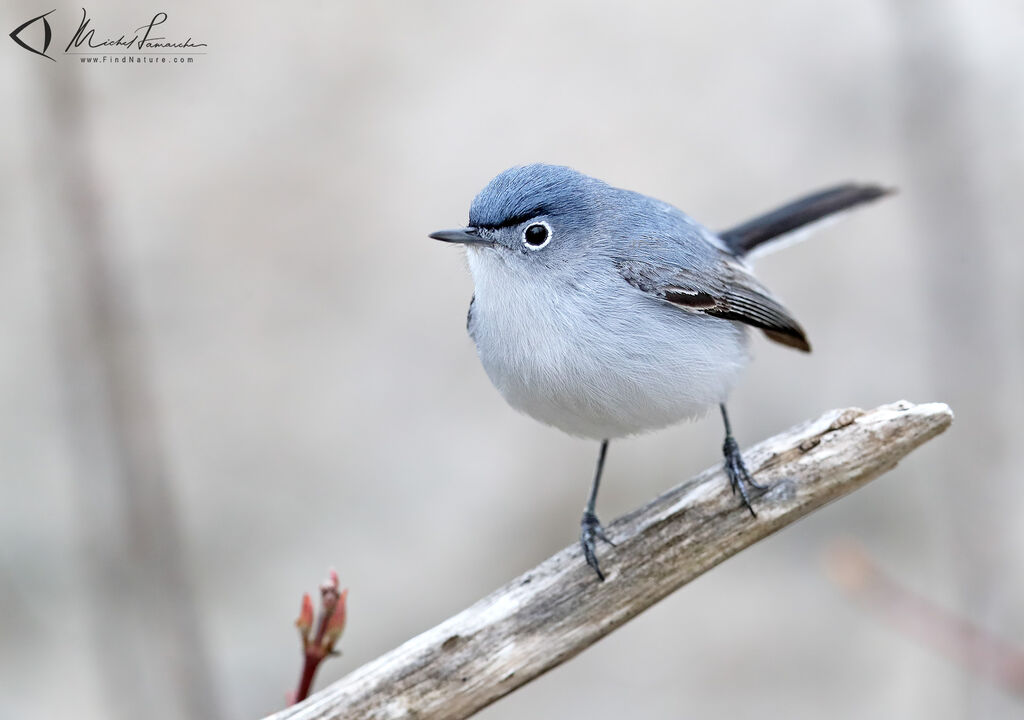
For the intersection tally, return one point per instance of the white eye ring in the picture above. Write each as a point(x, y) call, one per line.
point(547, 236)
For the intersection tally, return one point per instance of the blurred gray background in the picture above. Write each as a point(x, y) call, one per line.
point(230, 358)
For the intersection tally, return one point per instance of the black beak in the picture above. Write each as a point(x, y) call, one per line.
point(463, 236)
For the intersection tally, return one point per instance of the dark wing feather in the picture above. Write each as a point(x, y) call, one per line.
point(728, 292)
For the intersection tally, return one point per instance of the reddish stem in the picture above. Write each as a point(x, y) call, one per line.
point(309, 666)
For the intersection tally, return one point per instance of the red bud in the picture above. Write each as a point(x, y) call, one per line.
point(336, 623)
point(305, 620)
point(329, 591)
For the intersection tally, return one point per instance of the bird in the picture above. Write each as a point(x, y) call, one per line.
point(607, 313)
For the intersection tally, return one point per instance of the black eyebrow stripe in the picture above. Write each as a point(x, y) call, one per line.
point(516, 219)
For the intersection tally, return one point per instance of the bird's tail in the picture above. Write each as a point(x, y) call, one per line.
point(780, 224)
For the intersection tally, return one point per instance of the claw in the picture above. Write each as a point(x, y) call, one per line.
point(739, 476)
point(591, 529)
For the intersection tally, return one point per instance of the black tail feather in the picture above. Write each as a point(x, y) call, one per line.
point(744, 238)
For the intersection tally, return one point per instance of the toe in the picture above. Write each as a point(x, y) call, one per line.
point(591, 556)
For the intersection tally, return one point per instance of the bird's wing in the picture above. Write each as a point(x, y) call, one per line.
point(726, 290)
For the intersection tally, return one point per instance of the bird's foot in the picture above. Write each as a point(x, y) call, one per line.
point(739, 476)
point(590, 532)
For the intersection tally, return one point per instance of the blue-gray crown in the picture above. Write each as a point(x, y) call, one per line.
point(521, 193)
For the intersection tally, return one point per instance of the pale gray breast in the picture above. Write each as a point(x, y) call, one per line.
point(596, 357)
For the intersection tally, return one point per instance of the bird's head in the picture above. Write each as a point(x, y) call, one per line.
point(532, 217)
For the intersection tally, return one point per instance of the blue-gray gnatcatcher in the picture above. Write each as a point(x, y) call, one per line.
point(606, 313)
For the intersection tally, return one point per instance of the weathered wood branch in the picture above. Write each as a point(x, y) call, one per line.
point(551, 613)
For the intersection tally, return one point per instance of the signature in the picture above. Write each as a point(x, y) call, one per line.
point(142, 40)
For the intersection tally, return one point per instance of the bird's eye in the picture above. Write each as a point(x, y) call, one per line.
point(537, 235)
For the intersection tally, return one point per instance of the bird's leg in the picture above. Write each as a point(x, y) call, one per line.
point(739, 476)
point(590, 526)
